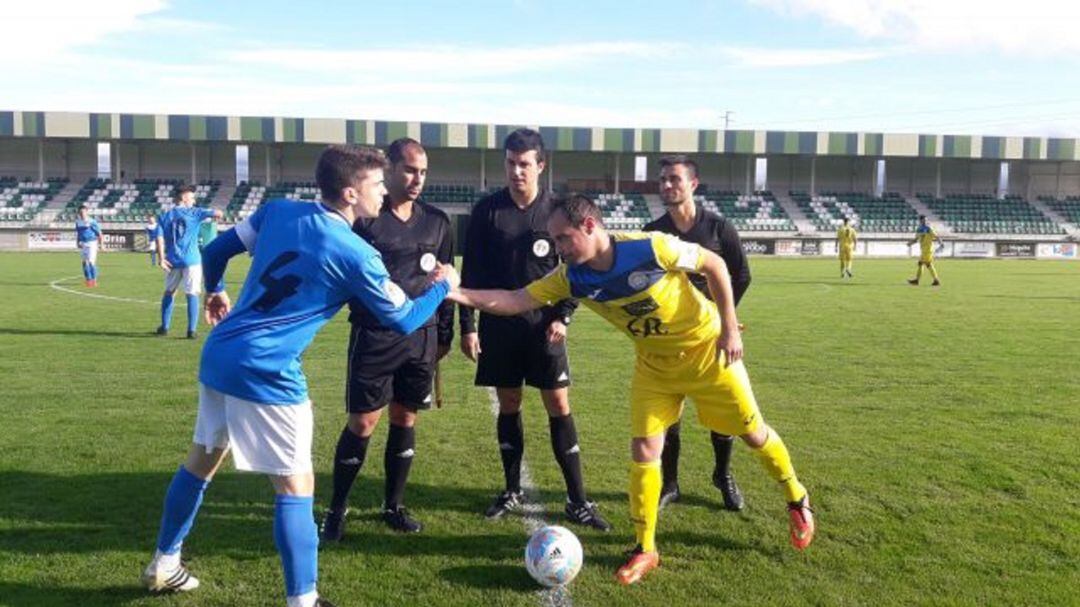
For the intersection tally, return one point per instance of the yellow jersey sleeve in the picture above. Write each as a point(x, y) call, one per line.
point(551, 288)
point(677, 255)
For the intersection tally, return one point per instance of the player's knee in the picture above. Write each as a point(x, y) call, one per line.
point(557, 402)
point(644, 449)
point(402, 416)
point(302, 484)
point(757, 438)
point(509, 399)
point(363, 424)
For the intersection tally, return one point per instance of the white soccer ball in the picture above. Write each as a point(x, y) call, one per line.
point(553, 556)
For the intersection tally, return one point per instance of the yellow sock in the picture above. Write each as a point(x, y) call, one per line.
point(645, 480)
point(933, 271)
point(918, 272)
point(774, 455)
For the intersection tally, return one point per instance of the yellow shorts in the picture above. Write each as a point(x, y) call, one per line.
point(723, 397)
point(926, 259)
point(846, 253)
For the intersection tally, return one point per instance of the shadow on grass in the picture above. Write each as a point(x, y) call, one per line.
point(1034, 297)
point(40, 596)
point(491, 577)
point(81, 332)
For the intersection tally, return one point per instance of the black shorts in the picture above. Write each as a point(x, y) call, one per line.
point(386, 367)
point(515, 351)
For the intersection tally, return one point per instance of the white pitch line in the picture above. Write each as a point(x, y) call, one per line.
point(56, 285)
point(534, 520)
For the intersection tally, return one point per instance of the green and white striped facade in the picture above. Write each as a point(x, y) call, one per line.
point(257, 129)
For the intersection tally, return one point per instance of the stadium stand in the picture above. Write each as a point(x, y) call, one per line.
point(886, 213)
point(986, 214)
point(1068, 207)
point(757, 212)
point(20, 200)
point(622, 211)
point(445, 194)
point(131, 202)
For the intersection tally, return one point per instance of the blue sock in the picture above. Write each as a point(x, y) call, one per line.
point(93, 272)
point(181, 505)
point(86, 270)
point(166, 311)
point(192, 312)
point(297, 541)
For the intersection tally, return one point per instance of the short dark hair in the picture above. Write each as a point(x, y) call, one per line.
point(339, 164)
point(922, 217)
point(396, 152)
point(677, 159)
point(576, 207)
point(523, 140)
point(845, 219)
point(184, 189)
point(83, 207)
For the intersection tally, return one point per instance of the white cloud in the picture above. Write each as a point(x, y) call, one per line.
point(1032, 27)
point(759, 57)
point(441, 61)
point(41, 29)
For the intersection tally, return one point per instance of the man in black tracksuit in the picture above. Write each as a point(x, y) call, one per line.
point(386, 368)
point(678, 180)
point(507, 246)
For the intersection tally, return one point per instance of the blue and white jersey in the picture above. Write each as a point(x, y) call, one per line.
point(152, 232)
point(87, 231)
point(307, 263)
point(180, 229)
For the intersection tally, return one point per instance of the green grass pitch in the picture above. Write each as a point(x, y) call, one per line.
point(937, 431)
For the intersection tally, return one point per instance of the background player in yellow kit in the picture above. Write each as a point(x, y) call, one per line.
point(926, 237)
point(687, 347)
point(846, 237)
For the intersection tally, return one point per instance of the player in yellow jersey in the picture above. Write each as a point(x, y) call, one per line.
point(687, 347)
point(926, 237)
point(846, 238)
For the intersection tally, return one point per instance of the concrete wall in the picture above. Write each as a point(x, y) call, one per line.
point(1045, 178)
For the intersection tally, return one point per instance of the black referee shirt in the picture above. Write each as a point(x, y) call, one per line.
point(409, 249)
point(717, 235)
point(507, 248)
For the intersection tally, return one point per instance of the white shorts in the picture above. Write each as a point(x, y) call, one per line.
point(272, 439)
point(190, 277)
point(88, 251)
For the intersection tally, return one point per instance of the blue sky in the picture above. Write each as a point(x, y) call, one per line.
point(929, 66)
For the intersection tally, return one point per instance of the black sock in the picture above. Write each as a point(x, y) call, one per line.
point(564, 443)
point(399, 457)
point(348, 459)
point(511, 447)
point(669, 457)
point(721, 444)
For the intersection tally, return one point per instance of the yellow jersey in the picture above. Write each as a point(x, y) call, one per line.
point(646, 293)
point(846, 236)
point(925, 235)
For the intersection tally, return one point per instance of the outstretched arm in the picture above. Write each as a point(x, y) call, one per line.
point(716, 273)
point(496, 301)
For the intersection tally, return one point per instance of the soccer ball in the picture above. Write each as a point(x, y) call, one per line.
point(553, 556)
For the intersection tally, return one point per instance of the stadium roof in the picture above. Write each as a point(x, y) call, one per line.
point(258, 129)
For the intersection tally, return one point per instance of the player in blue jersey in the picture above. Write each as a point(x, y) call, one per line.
point(253, 398)
point(180, 258)
point(88, 239)
point(152, 233)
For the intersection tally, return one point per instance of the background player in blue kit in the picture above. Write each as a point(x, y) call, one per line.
point(152, 233)
point(88, 239)
point(253, 398)
point(179, 255)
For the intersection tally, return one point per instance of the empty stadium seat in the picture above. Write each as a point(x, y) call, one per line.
point(757, 212)
point(986, 214)
point(886, 213)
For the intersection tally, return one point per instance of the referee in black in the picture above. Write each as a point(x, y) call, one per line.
point(384, 367)
point(683, 218)
point(507, 247)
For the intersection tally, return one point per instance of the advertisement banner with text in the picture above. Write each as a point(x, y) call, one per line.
point(1016, 249)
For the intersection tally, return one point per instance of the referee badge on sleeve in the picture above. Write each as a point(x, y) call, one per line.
point(394, 293)
point(427, 262)
point(541, 247)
